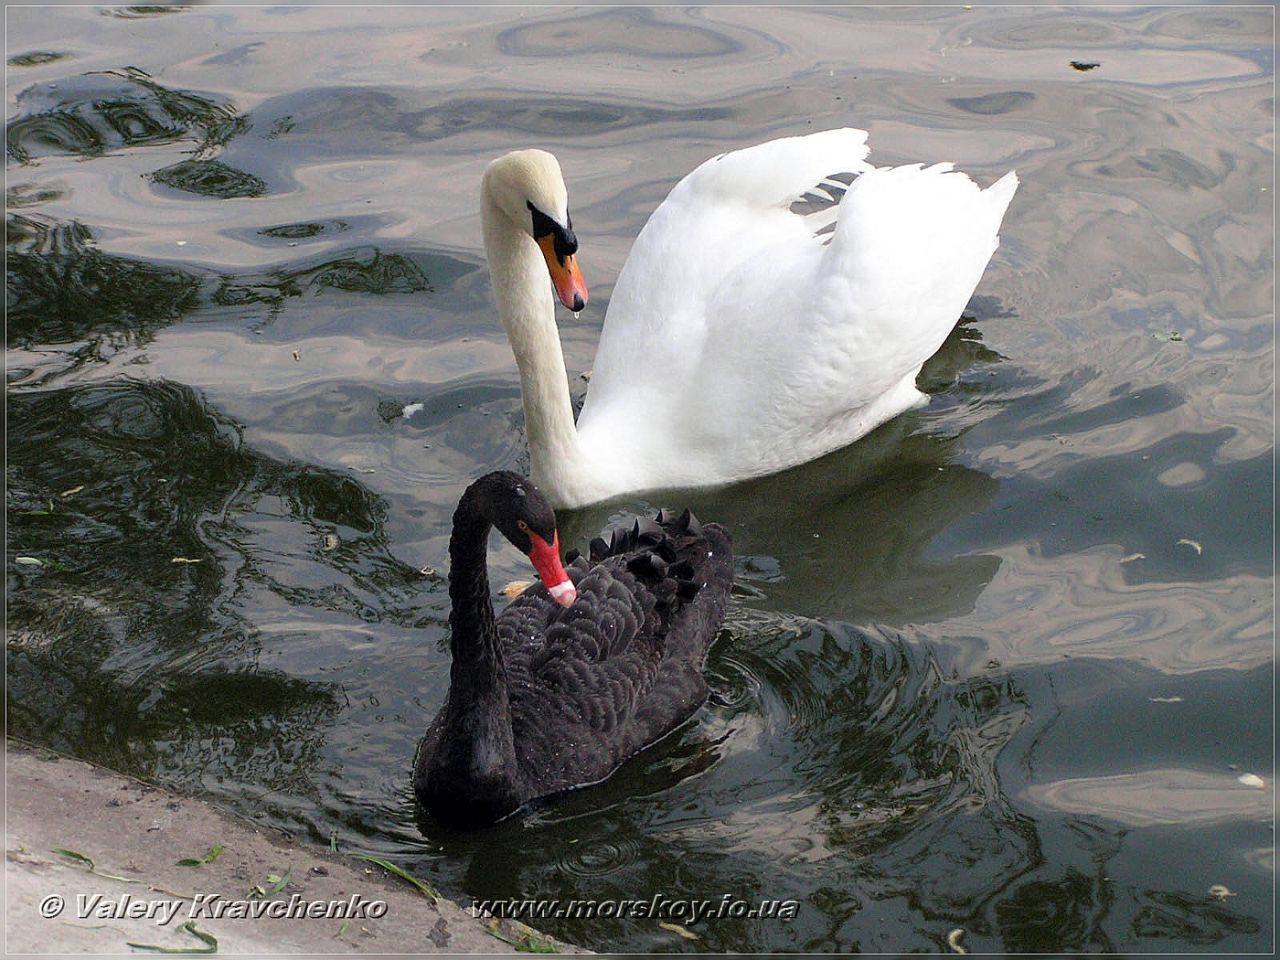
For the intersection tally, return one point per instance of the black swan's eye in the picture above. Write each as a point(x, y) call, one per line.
point(522, 526)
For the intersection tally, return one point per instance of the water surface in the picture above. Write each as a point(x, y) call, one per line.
point(997, 666)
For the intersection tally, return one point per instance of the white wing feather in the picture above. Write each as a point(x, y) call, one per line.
point(739, 341)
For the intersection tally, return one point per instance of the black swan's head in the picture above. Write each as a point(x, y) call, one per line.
point(522, 514)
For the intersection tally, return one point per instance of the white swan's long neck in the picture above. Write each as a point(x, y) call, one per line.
point(523, 294)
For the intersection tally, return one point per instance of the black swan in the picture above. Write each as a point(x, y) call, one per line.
point(582, 670)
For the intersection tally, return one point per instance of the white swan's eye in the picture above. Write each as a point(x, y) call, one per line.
point(563, 241)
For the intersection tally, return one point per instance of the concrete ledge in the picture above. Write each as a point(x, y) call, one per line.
point(136, 833)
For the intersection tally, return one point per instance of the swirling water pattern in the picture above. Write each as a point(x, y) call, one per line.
point(997, 666)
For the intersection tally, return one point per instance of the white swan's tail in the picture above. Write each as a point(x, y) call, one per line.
point(911, 243)
point(909, 247)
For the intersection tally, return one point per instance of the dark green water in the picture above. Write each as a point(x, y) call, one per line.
point(996, 667)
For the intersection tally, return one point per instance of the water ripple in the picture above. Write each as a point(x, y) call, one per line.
point(599, 859)
point(1039, 609)
point(634, 32)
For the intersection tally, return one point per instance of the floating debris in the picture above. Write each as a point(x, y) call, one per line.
point(330, 542)
point(1219, 891)
point(1165, 699)
point(74, 855)
point(515, 588)
point(1192, 544)
point(28, 562)
point(1084, 65)
point(279, 882)
point(189, 927)
point(676, 928)
point(93, 867)
point(527, 939)
point(72, 492)
point(1252, 780)
point(411, 409)
point(426, 889)
point(1132, 557)
point(185, 560)
point(214, 852)
point(297, 355)
point(953, 940)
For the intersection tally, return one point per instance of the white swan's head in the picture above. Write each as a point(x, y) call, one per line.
point(528, 187)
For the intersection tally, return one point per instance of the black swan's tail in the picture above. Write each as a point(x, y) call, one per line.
point(686, 565)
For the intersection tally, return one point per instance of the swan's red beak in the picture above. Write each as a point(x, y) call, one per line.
point(546, 560)
point(565, 275)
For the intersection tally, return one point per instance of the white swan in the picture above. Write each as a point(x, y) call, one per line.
point(742, 337)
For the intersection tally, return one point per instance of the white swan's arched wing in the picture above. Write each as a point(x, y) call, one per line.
point(742, 339)
point(726, 214)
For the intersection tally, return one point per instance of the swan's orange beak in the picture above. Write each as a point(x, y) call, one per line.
point(546, 560)
point(565, 275)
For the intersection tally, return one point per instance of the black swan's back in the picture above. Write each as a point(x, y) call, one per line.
point(592, 684)
point(622, 667)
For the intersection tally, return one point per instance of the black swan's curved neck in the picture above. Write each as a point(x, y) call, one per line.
point(474, 639)
point(475, 762)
